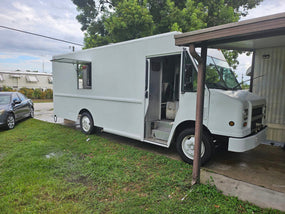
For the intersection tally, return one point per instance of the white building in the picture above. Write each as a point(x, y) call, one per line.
point(20, 79)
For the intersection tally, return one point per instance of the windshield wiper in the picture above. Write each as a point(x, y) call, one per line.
point(235, 87)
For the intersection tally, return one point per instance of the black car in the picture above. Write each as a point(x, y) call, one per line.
point(14, 106)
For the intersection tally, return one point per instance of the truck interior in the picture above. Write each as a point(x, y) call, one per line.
point(162, 92)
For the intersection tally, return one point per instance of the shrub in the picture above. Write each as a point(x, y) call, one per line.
point(32, 93)
point(49, 94)
point(6, 88)
point(37, 93)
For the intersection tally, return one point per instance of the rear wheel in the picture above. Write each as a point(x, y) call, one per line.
point(10, 121)
point(86, 123)
point(185, 146)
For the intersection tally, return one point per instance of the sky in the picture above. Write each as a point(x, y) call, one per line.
point(57, 19)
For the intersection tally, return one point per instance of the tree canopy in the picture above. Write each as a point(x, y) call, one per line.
point(109, 21)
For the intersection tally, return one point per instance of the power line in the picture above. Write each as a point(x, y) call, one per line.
point(35, 34)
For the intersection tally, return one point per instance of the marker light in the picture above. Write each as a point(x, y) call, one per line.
point(231, 123)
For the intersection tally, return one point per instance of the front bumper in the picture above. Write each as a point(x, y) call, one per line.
point(3, 118)
point(247, 143)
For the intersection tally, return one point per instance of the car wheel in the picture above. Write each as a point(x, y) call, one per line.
point(185, 146)
point(32, 112)
point(10, 121)
point(86, 123)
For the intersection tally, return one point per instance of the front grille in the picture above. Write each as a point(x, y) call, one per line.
point(256, 111)
point(256, 121)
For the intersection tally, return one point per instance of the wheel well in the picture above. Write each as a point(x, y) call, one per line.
point(10, 112)
point(83, 111)
point(186, 124)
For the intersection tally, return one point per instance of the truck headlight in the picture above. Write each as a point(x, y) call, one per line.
point(245, 117)
point(245, 114)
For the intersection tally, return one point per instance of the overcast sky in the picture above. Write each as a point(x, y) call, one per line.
point(56, 18)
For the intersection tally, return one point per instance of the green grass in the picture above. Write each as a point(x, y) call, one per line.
point(49, 168)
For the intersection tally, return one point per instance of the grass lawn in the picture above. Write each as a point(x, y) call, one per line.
point(49, 168)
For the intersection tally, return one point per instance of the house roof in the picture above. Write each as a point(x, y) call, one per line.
point(263, 32)
point(25, 73)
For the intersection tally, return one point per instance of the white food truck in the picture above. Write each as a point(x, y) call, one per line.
point(145, 89)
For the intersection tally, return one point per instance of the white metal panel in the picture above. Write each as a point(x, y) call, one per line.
point(118, 83)
point(269, 72)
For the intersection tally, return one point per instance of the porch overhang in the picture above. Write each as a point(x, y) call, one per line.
point(248, 35)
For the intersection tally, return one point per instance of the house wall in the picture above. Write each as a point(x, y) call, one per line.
point(17, 80)
point(269, 82)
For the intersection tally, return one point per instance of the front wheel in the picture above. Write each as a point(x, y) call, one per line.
point(10, 121)
point(185, 146)
point(32, 112)
point(86, 123)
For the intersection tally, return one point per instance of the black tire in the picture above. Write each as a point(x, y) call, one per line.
point(86, 123)
point(10, 121)
point(32, 112)
point(185, 146)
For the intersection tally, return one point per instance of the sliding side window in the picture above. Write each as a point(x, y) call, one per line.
point(189, 74)
point(84, 80)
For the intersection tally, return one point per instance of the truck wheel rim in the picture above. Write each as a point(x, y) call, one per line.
point(86, 124)
point(10, 122)
point(188, 145)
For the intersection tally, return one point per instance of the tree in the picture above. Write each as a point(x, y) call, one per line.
point(130, 20)
point(108, 21)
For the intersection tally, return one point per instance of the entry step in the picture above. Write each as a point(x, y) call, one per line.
point(161, 129)
point(162, 142)
point(165, 124)
point(160, 134)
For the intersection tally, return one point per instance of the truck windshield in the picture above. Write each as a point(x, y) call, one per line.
point(219, 75)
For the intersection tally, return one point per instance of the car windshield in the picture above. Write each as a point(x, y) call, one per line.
point(220, 76)
point(4, 99)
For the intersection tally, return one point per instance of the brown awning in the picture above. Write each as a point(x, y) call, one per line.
point(263, 32)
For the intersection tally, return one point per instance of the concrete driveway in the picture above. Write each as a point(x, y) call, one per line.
point(44, 112)
point(262, 169)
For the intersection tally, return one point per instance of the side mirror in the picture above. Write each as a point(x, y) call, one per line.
point(16, 102)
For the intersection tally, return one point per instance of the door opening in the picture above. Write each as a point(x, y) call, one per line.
point(163, 96)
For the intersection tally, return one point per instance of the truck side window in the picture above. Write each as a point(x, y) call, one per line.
point(212, 75)
point(189, 74)
point(84, 80)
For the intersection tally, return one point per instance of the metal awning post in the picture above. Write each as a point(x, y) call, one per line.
point(199, 110)
point(252, 71)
